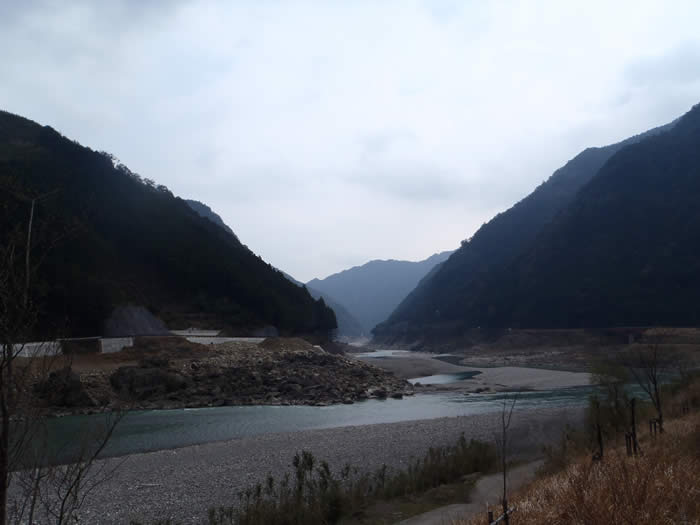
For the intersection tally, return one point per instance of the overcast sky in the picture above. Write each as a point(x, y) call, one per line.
point(330, 133)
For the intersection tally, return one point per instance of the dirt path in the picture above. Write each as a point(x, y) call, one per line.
point(486, 490)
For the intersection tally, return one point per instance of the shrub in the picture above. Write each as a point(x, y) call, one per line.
point(313, 494)
point(662, 485)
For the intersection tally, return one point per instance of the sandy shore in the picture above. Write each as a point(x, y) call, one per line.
point(183, 483)
point(409, 365)
point(516, 378)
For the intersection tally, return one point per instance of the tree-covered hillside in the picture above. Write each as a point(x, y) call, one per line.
point(205, 211)
point(108, 238)
point(625, 252)
point(461, 292)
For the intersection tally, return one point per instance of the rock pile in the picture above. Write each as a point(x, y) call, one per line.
point(276, 372)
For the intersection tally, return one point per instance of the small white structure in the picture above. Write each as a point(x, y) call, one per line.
point(38, 349)
point(110, 345)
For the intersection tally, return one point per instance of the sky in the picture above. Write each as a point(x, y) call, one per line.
point(328, 133)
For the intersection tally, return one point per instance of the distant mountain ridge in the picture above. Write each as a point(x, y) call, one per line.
point(370, 292)
point(111, 238)
point(490, 280)
point(348, 326)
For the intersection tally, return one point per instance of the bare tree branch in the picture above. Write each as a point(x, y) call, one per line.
point(42, 489)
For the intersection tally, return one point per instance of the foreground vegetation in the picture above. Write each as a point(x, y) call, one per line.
point(314, 494)
point(661, 484)
point(109, 237)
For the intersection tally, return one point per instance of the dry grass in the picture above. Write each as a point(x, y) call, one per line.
point(660, 487)
point(314, 495)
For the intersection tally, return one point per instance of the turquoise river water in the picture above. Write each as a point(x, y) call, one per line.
point(143, 431)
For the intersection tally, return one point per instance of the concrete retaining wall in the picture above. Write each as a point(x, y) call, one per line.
point(111, 345)
point(38, 349)
point(194, 332)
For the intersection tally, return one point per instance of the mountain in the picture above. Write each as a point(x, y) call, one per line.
point(626, 252)
point(205, 211)
point(371, 292)
point(457, 296)
point(108, 238)
point(348, 326)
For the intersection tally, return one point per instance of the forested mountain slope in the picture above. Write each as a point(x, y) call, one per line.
point(105, 238)
point(626, 252)
point(458, 293)
point(205, 211)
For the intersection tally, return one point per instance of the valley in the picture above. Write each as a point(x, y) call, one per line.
point(155, 368)
point(174, 458)
point(179, 463)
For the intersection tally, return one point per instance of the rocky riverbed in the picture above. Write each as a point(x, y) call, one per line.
point(182, 484)
point(173, 373)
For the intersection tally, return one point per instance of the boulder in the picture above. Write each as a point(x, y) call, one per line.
point(379, 393)
point(64, 388)
point(146, 382)
point(290, 388)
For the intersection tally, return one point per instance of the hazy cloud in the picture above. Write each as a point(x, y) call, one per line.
point(678, 66)
point(330, 133)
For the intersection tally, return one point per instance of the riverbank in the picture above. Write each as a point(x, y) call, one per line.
point(570, 350)
point(184, 483)
point(494, 378)
point(658, 485)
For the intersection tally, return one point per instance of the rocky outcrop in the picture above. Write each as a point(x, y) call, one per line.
point(278, 371)
point(146, 382)
point(172, 373)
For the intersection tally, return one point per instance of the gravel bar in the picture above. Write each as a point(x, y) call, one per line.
point(182, 484)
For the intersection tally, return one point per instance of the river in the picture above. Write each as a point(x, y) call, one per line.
point(143, 431)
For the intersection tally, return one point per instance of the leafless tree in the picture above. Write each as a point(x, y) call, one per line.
point(648, 365)
point(56, 492)
point(611, 377)
point(506, 415)
point(39, 486)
